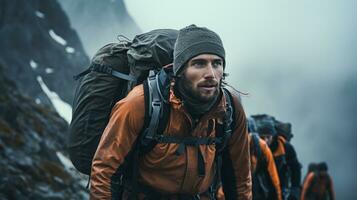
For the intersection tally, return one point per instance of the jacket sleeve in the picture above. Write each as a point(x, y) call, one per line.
point(125, 124)
point(294, 165)
point(273, 172)
point(236, 174)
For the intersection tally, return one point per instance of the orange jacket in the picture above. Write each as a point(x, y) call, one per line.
point(319, 190)
point(161, 168)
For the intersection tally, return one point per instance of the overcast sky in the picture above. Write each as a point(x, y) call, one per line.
point(293, 57)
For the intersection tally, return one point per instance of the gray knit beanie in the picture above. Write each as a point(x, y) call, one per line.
point(193, 41)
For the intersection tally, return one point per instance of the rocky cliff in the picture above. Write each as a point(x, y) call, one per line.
point(32, 152)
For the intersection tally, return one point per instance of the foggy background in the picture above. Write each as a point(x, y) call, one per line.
point(296, 59)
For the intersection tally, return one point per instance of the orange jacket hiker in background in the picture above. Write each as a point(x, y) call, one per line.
point(318, 184)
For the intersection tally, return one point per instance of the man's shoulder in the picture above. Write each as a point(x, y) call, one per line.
point(136, 92)
point(134, 97)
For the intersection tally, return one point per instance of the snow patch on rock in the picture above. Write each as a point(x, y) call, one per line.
point(63, 108)
point(57, 38)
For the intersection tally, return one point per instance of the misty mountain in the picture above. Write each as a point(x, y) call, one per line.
point(32, 161)
point(38, 44)
point(100, 22)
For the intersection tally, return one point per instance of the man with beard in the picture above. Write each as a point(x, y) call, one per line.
point(198, 104)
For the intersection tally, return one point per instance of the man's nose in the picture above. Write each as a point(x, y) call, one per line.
point(210, 71)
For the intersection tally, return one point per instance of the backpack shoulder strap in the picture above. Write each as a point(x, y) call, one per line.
point(229, 121)
point(223, 135)
point(101, 68)
point(157, 110)
point(154, 103)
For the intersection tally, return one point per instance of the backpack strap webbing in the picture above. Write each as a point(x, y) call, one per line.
point(188, 140)
point(76, 77)
point(155, 105)
point(107, 70)
point(224, 133)
point(228, 124)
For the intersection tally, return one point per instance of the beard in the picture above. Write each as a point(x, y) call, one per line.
point(196, 94)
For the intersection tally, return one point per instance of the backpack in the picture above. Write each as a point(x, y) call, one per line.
point(114, 70)
point(109, 79)
point(284, 129)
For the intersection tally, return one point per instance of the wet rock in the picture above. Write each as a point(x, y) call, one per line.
point(30, 142)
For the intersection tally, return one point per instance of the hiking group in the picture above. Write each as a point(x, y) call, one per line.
point(154, 118)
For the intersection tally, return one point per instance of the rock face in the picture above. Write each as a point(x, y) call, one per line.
point(39, 54)
point(32, 139)
point(37, 41)
point(100, 22)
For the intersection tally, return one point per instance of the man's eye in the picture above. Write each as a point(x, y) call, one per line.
point(198, 64)
point(217, 63)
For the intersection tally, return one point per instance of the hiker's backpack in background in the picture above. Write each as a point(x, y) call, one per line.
point(114, 70)
point(284, 129)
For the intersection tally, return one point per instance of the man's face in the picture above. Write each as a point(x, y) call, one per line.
point(202, 76)
point(267, 138)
